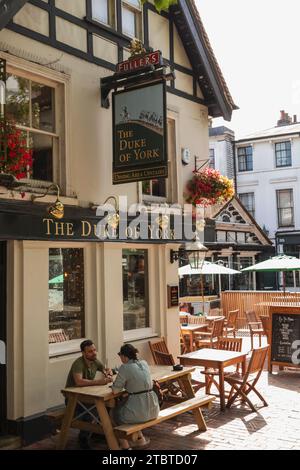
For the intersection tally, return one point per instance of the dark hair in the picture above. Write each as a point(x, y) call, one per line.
point(129, 351)
point(85, 344)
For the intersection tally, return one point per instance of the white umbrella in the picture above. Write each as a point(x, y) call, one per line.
point(207, 268)
point(281, 263)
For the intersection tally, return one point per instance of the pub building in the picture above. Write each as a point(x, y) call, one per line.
point(59, 282)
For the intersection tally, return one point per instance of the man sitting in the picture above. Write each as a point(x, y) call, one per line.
point(82, 374)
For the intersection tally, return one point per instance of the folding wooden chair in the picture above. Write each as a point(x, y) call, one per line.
point(162, 356)
point(241, 385)
point(255, 326)
point(230, 322)
point(210, 339)
point(266, 324)
point(226, 344)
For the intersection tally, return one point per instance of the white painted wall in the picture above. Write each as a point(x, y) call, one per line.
point(265, 179)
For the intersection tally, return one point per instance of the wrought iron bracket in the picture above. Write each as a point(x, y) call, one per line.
point(132, 79)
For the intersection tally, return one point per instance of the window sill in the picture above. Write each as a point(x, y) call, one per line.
point(138, 335)
point(65, 348)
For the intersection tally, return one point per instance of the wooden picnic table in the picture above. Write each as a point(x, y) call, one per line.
point(102, 397)
point(216, 359)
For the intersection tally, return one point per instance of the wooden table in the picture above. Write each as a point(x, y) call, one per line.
point(189, 330)
point(102, 397)
point(217, 359)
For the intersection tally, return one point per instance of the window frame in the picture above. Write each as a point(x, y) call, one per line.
point(137, 11)
point(60, 82)
point(251, 211)
point(73, 346)
point(172, 190)
point(212, 158)
point(248, 167)
point(111, 14)
point(279, 157)
point(279, 216)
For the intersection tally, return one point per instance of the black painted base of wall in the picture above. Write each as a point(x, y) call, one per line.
point(31, 429)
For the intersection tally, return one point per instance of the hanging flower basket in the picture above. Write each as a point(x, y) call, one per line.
point(15, 156)
point(208, 187)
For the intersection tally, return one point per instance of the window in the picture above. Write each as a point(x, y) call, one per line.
point(212, 162)
point(285, 207)
point(247, 199)
point(132, 18)
point(66, 294)
point(283, 154)
point(135, 289)
point(245, 158)
point(104, 11)
point(164, 188)
point(31, 105)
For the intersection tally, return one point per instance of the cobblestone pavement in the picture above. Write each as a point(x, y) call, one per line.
point(274, 427)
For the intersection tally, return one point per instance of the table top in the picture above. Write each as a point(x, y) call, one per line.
point(213, 317)
point(159, 373)
point(193, 326)
point(218, 355)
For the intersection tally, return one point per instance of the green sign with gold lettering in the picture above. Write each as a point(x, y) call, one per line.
point(139, 134)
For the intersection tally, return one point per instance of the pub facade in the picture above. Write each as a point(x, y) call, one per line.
point(59, 282)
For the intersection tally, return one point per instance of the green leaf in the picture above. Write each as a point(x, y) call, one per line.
point(161, 4)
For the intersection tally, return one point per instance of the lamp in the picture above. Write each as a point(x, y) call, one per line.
point(195, 252)
point(112, 219)
point(56, 210)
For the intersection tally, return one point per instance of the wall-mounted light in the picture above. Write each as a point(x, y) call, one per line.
point(112, 219)
point(195, 251)
point(57, 209)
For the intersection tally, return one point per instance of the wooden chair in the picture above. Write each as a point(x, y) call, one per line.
point(184, 318)
point(230, 323)
point(195, 320)
point(160, 353)
point(162, 357)
point(241, 385)
point(226, 344)
point(266, 324)
point(255, 326)
point(210, 339)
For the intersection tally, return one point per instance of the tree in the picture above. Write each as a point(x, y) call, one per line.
point(161, 4)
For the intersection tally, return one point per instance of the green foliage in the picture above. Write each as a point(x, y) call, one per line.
point(161, 4)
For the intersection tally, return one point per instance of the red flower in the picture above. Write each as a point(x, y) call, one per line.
point(208, 187)
point(17, 160)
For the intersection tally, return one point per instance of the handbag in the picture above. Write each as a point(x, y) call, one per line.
point(158, 391)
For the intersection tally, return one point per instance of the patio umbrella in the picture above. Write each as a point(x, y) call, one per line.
point(57, 280)
point(281, 263)
point(207, 268)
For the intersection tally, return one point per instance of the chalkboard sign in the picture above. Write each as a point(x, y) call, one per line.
point(285, 331)
point(284, 336)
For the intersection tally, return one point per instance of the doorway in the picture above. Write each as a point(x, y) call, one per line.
point(3, 397)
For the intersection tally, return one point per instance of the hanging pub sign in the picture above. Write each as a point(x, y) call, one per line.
point(140, 134)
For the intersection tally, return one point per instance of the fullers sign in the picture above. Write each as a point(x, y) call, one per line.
point(136, 63)
point(139, 134)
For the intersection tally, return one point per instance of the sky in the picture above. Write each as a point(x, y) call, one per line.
point(257, 45)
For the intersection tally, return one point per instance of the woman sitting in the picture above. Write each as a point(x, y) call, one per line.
point(142, 403)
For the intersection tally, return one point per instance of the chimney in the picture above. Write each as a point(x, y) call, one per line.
point(285, 119)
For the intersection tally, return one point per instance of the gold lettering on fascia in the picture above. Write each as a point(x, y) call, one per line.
point(60, 229)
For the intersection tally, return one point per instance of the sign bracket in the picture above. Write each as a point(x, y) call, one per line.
point(132, 78)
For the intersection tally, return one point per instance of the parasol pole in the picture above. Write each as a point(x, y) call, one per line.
point(202, 292)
